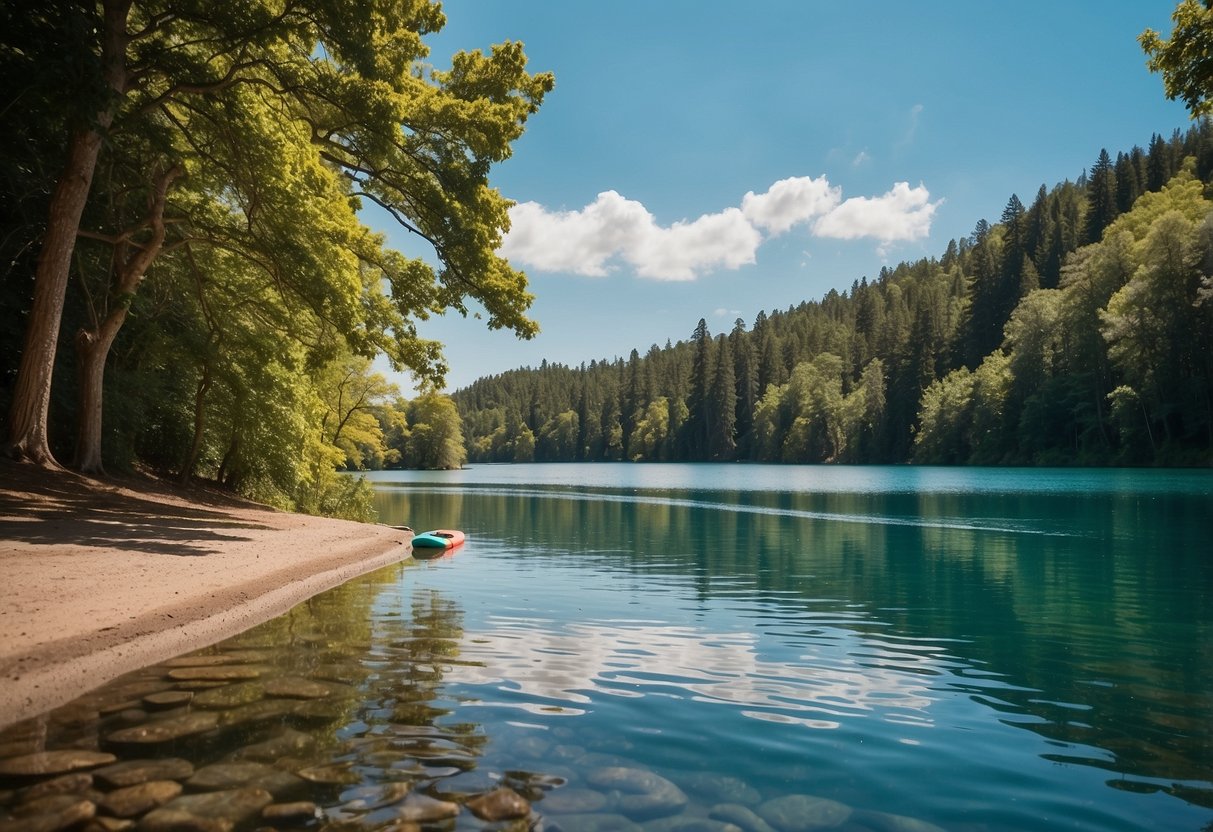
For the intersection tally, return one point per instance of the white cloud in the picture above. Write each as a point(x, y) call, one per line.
point(902, 214)
point(790, 201)
point(861, 158)
point(612, 229)
point(585, 241)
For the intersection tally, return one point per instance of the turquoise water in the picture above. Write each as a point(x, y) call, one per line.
point(667, 647)
point(974, 648)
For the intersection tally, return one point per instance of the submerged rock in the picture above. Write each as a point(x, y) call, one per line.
point(639, 793)
point(682, 823)
point(165, 730)
point(133, 772)
point(804, 813)
point(76, 783)
point(167, 699)
point(419, 808)
point(593, 823)
point(289, 743)
point(885, 822)
point(229, 696)
point(224, 776)
point(296, 687)
point(267, 710)
point(214, 811)
point(337, 774)
point(462, 785)
point(135, 800)
point(43, 763)
point(218, 673)
point(740, 816)
point(718, 787)
point(291, 814)
point(52, 813)
point(499, 804)
point(573, 801)
point(218, 659)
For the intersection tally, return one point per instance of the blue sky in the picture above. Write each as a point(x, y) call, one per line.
point(703, 159)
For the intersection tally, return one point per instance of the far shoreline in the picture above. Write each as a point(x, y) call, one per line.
point(103, 577)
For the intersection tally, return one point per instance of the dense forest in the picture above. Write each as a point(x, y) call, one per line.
point(1076, 330)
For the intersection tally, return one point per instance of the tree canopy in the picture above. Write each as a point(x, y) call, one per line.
point(218, 157)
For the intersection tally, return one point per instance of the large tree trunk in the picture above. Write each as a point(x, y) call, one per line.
point(32, 396)
point(92, 350)
point(28, 437)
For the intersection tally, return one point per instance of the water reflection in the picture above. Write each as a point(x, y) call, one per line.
point(1084, 618)
point(843, 674)
point(687, 658)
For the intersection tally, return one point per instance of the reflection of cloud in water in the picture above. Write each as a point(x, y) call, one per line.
point(843, 675)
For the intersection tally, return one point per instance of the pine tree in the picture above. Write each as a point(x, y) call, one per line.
point(1127, 185)
point(722, 426)
point(1101, 199)
point(696, 428)
point(1036, 226)
point(745, 369)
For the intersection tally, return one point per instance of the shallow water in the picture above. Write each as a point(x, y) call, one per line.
point(873, 648)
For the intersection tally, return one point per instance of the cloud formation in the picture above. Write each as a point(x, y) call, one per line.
point(593, 240)
point(904, 213)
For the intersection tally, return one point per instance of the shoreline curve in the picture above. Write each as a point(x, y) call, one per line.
point(100, 578)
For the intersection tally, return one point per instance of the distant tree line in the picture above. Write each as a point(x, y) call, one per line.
point(1076, 330)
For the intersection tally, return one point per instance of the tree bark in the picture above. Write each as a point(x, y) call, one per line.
point(93, 345)
point(28, 434)
point(92, 349)
point(191, 459)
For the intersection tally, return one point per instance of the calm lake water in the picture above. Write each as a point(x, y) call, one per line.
point(645, 646)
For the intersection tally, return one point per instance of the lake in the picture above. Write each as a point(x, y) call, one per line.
point(673, 647)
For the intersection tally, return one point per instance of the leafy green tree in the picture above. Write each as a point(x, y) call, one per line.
point(1147, 321)
point(942, 433)
point(558, 438)
point(523, 443)
point(435, 439)
point(1186, 60)
point(353, 397)
point(652, 442)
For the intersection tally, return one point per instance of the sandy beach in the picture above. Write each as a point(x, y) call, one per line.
point(101, 577)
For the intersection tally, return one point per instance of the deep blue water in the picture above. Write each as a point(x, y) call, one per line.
point(879, 648)
point(976, 648)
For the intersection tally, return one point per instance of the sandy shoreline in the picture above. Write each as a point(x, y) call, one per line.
point(101, 578)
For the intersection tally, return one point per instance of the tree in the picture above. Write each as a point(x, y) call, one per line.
point(745, 371)
point(699, 398)
point(435, 434)
point(722, 405)
point(353, 397)
point(1186, 60)
point(1101, 198)
point(339, 84)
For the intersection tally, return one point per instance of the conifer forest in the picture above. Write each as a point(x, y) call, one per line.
point(1076, 330)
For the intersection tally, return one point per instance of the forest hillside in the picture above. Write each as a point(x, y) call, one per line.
point(1076, 330)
